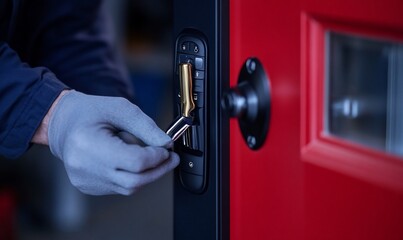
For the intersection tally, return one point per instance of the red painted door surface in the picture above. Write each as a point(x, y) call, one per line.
point(304, 183)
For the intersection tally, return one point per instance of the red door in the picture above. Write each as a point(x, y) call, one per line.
point(332, 164)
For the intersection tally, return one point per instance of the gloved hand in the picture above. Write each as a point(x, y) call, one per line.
point(84, 133)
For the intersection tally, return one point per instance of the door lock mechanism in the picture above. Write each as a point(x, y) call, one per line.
point(190, 79)
point(249, 101)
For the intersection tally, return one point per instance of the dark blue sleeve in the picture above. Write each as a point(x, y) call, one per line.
point(69, 39)
point(74, 39)
point(26, 94)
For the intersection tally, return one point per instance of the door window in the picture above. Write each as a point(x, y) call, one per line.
point(364, 91)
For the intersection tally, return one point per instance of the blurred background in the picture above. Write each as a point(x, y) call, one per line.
point(38, 201)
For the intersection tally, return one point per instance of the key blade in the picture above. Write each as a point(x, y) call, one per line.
point(186, 89)
point(179, 127)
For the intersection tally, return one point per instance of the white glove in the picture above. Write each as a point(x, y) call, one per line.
point(84, 132)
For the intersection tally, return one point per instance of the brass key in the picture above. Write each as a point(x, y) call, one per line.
point(179, 126)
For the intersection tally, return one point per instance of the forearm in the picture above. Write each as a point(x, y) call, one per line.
point(26, 95)
point(41, 134)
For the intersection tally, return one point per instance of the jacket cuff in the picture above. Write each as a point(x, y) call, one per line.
point(18, 139)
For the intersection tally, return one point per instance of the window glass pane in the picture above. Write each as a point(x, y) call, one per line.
point(364, 91)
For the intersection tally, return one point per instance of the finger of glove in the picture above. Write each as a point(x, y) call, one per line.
point(137, 159)
point(132, 181)
point(103, 151)
point(91, 184)
point(128, 117)
point(94, 184)
point(123, 191)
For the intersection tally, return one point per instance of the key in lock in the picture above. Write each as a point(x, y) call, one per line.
point(187, 105)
